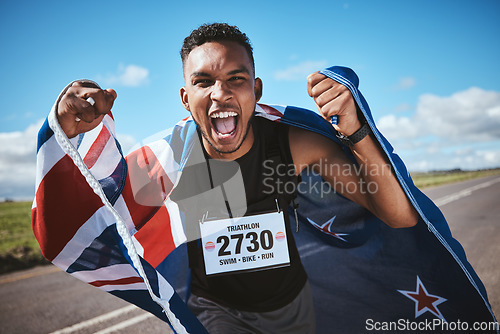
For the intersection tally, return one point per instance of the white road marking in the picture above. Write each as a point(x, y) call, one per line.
point(96, 320)
point(125, 324)
point(464, 193)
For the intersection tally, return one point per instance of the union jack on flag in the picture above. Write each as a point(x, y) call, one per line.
point(108, 220)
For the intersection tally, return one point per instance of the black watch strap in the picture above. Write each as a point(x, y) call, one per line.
point(356, 136)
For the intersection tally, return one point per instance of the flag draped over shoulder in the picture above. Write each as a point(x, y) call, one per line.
point(108, 220)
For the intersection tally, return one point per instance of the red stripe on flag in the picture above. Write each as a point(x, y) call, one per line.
point(121, 281)
point(147, 185)
point(97, 147)
point(156, 238)
point(64, 202)
point(270, 110)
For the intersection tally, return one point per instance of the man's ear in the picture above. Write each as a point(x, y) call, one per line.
point(184, 98)
point(258, 89)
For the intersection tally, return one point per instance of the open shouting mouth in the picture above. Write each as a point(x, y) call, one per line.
point(224, 123)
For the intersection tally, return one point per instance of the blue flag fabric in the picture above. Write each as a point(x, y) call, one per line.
point(364, 275)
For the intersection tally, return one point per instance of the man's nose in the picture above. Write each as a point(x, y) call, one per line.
point(221, 92)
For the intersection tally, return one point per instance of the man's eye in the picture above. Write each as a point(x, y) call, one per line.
point(203, 82)
point(236, 78)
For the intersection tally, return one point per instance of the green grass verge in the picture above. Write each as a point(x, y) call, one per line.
point(432, 179)
point(18, 246)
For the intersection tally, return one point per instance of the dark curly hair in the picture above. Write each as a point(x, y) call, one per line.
point(216, 32)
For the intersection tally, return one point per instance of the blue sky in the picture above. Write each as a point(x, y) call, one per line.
point(429, 69)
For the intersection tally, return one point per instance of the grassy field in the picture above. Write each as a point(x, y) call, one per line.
point(19, 248)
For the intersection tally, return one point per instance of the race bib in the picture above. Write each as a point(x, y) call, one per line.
point(244, 244)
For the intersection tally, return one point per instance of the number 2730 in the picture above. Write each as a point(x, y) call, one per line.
point(255, 241)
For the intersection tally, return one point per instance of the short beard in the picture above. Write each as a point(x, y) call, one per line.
point(218, 150)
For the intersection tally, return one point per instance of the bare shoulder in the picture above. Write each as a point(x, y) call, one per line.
point(308, 148)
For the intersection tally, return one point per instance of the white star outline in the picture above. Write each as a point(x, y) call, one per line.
point(325, 228)
point(438, 300)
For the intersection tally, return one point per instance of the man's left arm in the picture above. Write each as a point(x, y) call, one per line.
point(382, 194)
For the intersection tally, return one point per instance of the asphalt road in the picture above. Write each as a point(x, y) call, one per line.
point(27, 304)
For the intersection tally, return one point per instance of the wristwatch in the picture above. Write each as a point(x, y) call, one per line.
point(356, 136)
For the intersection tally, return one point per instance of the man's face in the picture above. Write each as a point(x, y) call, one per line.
point(220, 92)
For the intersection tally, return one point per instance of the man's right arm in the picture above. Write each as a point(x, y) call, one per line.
point(64, 200)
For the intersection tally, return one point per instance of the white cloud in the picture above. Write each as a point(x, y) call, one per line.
point(469, 117)
point(300, 71)
point(405, 83)
point(466, 115)
point(130, 76)
point(397, 127)
point(17, 162)
point(402, 107)
point(468, 158)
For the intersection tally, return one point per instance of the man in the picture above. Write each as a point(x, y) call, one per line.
point(221, 93)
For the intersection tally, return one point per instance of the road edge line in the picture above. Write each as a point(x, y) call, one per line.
point(464, 193)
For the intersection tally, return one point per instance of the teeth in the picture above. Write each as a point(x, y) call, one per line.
point(223, 114)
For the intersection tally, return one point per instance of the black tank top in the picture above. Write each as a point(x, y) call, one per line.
point(257, 291)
